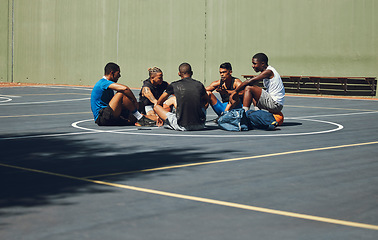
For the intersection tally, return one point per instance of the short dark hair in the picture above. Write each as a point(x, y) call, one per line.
point(226, 65)
point(185, 68)
point(111, 67)
point(261, 57)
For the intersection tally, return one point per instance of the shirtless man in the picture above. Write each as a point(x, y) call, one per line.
point(225, 87)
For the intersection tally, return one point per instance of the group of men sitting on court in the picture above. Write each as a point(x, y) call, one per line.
point(115, 104)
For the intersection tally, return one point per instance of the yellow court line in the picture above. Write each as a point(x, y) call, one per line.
point(236, 159)
point(44, 114)
point(209, 201)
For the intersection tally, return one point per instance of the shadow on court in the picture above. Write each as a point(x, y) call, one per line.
point(289, 124)
point(22, 188)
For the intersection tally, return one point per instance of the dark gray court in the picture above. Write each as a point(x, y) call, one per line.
point(63, 177)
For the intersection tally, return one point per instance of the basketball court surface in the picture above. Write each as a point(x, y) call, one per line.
point(64, 177)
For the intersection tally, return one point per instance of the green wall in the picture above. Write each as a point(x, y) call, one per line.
point(70, 41)
point(300, 37)
point(4, 40)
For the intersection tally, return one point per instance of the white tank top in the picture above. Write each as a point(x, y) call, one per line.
point(275, 87)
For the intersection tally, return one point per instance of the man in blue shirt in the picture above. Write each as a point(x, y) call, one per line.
point(120, 108)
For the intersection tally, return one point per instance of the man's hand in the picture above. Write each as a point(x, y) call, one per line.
point(232, 94)
point(222, 90)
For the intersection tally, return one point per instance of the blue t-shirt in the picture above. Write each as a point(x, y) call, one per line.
point(101, 96)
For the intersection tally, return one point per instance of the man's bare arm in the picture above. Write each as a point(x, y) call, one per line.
point(264, 74)
point(124, 89)
point(162, 99)
point(214, 85)
point(146, 91)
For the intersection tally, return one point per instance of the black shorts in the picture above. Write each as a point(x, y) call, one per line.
point(106, 118)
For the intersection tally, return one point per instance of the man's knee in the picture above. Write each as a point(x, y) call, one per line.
point(161, 112)
point(254, 91)
point(250, 89)
point(212, 98)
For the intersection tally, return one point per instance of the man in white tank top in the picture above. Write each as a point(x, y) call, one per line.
point(271, 99)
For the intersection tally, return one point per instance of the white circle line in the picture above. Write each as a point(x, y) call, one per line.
point(75, 125)
point(7, 99)
point(338, 127)
point(54, 101)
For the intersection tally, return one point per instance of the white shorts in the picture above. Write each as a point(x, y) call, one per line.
point(148, 108)
point(171, 122)
point(266, 102)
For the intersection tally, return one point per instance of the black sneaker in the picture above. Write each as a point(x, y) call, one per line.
point(145, 122)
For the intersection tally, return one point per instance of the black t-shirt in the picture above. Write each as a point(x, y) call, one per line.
point(157, 91)
point(189, 94)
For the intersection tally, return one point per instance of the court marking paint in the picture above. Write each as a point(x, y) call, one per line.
point(43, 114)
point(43, 102)
point(183, 134)
point(90, 131)
point(5, 99)
point(234, 159)
point(207, 200)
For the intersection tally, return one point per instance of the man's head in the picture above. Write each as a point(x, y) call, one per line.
point(225, 70)
point(156, 75)
point(112, 71)
point(259, 62)
point(185, 70)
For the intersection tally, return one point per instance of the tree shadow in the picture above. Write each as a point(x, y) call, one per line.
point(78, 158)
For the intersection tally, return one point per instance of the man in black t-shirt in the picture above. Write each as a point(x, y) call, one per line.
point(191, 99)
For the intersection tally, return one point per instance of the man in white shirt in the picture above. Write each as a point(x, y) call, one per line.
point(271, 99)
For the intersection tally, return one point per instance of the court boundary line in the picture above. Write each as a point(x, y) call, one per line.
point(44, 114)
point(234, 159)
point(339, 127)
point(207, 200)
point(46, 135)
point(118, 131)
point(43, 102)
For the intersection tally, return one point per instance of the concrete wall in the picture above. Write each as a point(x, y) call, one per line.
point(300, 37)
point(4, 40)
point(70, 41)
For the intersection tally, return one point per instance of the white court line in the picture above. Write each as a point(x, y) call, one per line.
point(339, 127)
point(121, 131)
point(9, 96)
point(75, 125)
point(63, 87)
point(334, 115)
point(43, 102)
point(333, 98)
point(66, 134)
point(6, 99)
point(46, 135)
